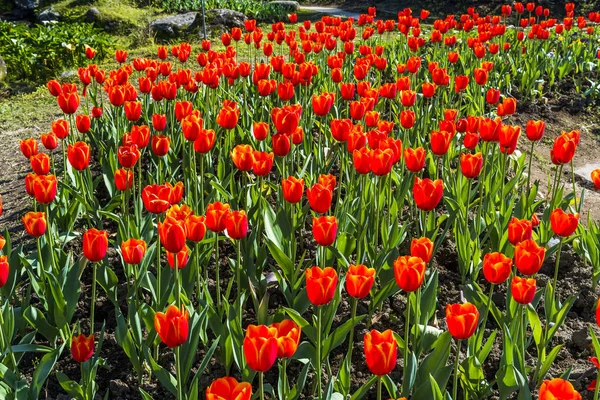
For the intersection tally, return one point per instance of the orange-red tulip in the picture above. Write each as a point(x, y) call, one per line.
point(496, 267)
point(156, 198)
point(563, 224)
point(519, 230)
point(321, 285)
point(237, 224)
point(79, 155)
point(529, 257)
point(319, 198)
point(44, 188)
point(29, 147)
point(82, 347)
point(462, 320)
point(182, 258)
point(523, 289)
point(409, 272)
point(260, 347)
point(558, 389)
point(287, 333)
point(172, 326)
point(228, 115)
point(242, 156)
point(133, 250)
point(471, 165)
point(205, 141)
point(414, 159)
point(359, 280)
point(380, 351)
point(324, 230)
point(40, 163)
point(95, 244)
point(172, 233)
point(49, 140)
point(535, 130)
point(422, 248)
point(35, 223)
point(196, 227)
point(427, 193)
point(228, 388)
point(4, 270)
point(216, 216)
point(123, 179)
point(292, 189)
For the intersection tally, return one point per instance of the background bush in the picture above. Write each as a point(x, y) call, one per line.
point(37, 53)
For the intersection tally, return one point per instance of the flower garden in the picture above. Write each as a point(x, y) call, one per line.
point(346, 211)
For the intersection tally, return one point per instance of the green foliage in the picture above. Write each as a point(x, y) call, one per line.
point(258, 9)
point(37, 53)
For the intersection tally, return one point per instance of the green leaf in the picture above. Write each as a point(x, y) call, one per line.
point(362, 391)
point(167, 380)
point(43, 370)
point(339, 335)
point(73, 388)
point(307, 329)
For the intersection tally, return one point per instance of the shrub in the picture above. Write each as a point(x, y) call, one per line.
point(37, 53)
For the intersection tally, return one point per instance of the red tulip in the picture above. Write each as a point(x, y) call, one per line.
point(519, 230)
point(496, 267)
point(216, 216)
point(156, 198)
point(242, 156)
point(522, 289)
point(462, 320)
point(558, 389)
point(471, 165)
point(380, 352)
point(529, 257)
point(228, 388)
point(172, 233)
point(35, 223)
point(79, 155)
point(287, 333)
point(95, 244)
point(292, 189)
point(409, 272)
point(563, 224)
point(228, 115)
point(422, 248)
point(237, 224)
point(4, 270)
point(44, 188)
point(359, 280)
point(324, 230)
point(319, 198)
point(321, 285)
point(260, 347)
point(427, 193)
point(172, 326)
point(82, 347)
point(40, 163)
point(29, 147)
point(133, 251)
point(414, 159)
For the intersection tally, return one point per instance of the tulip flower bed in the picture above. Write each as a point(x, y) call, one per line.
point(346, 216)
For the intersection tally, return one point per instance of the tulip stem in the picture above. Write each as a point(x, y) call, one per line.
point(177, 284)
point(523, 337)
point(261, 388)
point(218, 281)
point(179, 377)
point(351, 342)
point(318, 366)
point(6, 340)
point(285, 380)
point(417, 317)
point(554, 281)
point(529, 167)
point(379, 379)
point(93, 305)
point(406, 334)
point(574, 188)
point(456, 364)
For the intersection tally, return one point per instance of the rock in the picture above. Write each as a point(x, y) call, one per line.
point(287, 6)
point(585, 172)
point(49, 15)
point(118, 387)
point(92, 15)
point(27, 4)
point(175, 25)
point(224, 17)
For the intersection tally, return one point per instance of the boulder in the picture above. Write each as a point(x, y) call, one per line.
point(92, 15)
point(225, 18)
point(287, 6)
point(49, 15)
point(27, 4)
point(174, 26)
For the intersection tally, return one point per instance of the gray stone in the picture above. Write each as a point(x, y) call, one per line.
point(287, 6)
point(27, 4)
point(92, 15)
point(224, 17)
point(175, 25)
point(585, 172)
point(49, 15)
